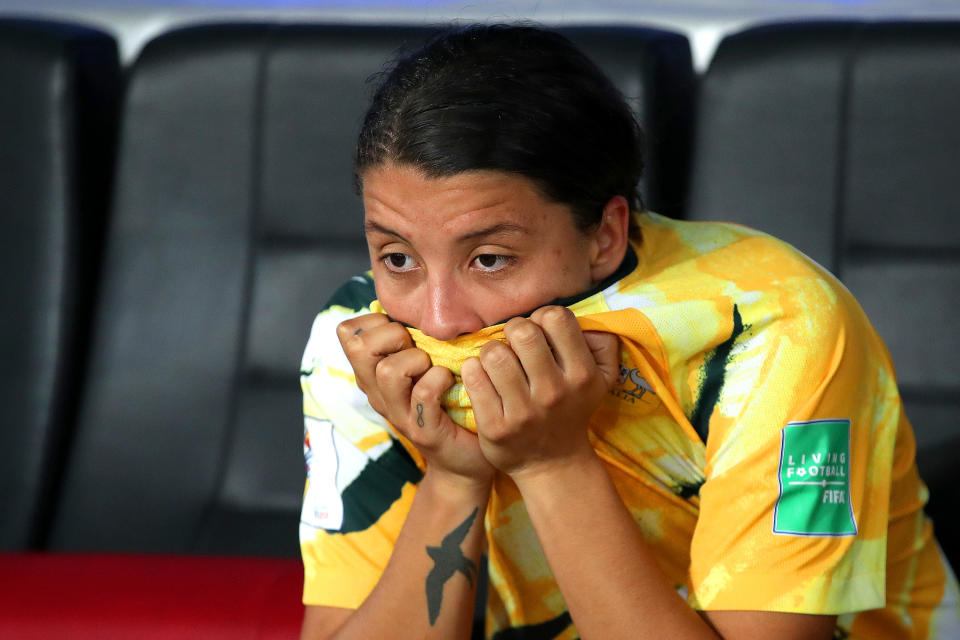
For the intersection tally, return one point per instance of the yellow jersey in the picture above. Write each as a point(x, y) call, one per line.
point(755, 434)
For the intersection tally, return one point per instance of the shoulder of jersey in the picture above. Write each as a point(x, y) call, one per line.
point(352, 299)
point(354, 295)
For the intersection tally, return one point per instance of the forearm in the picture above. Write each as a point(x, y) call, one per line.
point(608, 576)
point(428, 587)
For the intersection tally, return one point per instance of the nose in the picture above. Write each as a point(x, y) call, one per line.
point(449, 310)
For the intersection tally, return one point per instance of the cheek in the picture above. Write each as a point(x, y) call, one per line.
point(565, 273)
point(518, 299)
point(398, 306)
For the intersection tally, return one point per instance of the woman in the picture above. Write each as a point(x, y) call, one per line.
point(655, 429)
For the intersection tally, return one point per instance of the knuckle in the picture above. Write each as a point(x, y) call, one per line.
point(387, 368)
point(471, 372)
point(372, 334)
point(421, 359)
point(355, 345)
point(494, 354)
point(580, 378)
point(522, 333)
point(353, 326)
point(416, 363)
point(398, 335)
point(423, 393)
point(345, 330)
point(551, 396)
point(437, 377)
point(346, 336)
point(556, 315)
point(497, 432)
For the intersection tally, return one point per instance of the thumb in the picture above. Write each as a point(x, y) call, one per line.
point(605, 348)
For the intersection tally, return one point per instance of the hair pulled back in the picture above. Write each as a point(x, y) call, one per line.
point(507, 98)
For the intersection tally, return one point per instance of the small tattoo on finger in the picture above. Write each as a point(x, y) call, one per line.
point(419, 415)
point(358, 332)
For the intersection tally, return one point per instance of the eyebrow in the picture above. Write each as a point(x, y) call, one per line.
point(379, 228)
point(503, 227)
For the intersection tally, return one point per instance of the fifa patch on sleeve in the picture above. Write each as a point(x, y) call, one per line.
point(815, 480)
point(322, 504)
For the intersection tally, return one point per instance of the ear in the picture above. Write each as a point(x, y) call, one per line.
point(609, 242)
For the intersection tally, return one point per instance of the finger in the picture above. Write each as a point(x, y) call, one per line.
point(528, 342)
point(605, 348)
point(373, 334)
point(486, 403)
point(426, 398)
point(367, 340)
point(355, 326)
point(565, 337)
point(506, 374)
point(395, 377)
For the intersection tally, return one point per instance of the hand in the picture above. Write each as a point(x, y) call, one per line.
point(404, 387)
point(533, 399)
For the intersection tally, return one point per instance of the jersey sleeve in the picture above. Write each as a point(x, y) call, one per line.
point(803, 414)
point(360, 479)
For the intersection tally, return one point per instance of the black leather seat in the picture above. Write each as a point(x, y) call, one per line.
point(58, 93)
point(233, 221)
point(654, 71)
point(842, 138)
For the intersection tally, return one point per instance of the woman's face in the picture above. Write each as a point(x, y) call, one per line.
point(453, 255)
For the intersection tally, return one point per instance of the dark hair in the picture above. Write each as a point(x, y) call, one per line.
point(508, 98)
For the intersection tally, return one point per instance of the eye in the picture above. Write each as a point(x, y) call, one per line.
point(399, 262)
point(491, 262)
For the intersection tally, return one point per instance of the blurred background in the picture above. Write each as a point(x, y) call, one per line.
point(704, 22)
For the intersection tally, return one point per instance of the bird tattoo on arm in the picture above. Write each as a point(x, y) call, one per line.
point(448, 559)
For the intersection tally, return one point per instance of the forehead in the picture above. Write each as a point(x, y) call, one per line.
point(402, 195)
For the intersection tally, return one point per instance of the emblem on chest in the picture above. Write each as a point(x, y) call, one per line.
point(632, 388)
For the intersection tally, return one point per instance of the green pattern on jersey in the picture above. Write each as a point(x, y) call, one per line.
point(377, 487)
